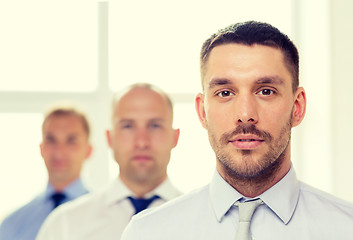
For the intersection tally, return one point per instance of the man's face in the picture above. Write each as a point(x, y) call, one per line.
point(64, 147)
point(142, 137)
point(249, 108)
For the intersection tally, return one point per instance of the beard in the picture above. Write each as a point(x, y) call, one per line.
point(248, 169)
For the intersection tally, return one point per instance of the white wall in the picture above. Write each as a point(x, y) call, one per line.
point(312, 140)
point(342, 105)
point(323, 150)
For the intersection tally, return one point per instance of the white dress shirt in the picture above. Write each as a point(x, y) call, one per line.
point(291, 210)
point(101, 215)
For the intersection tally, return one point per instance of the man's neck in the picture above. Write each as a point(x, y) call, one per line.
point(139, 188)
point(60, 185)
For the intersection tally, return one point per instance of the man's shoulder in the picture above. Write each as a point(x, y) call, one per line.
point(177, 207)
point(75, 218)
point(318, 199)
point(83, 204)
point(23, 211)
point(170, 220)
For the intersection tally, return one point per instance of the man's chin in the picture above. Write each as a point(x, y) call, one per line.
point(142, 176)
point(245, 167)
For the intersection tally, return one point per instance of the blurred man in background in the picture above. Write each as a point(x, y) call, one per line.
point(141, 138)
point(65, 147)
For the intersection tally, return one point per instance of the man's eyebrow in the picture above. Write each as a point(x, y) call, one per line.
point(219, 82)
point(156, 120)
point(123, 121)
point(270, 79)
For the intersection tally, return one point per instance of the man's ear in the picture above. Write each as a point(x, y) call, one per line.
point(41, 148)
point(109, 137)
point(200, 109)
point(299, 107)
point(176, 133)
point(89, 151)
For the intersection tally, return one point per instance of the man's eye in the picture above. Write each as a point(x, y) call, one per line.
point(50, 139)
point(155, 125)
point(71, 141)
point(225, 94)
point(266, 92)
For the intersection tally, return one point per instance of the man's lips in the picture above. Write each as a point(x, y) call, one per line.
point(58, 164)
point(142, 158)
point(246, 141)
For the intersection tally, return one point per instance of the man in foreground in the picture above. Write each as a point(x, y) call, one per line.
point(251, 100)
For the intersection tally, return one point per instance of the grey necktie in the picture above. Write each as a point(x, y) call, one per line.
point(246, 210)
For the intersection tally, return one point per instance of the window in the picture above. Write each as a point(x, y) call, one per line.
point(46, 47)
point(159, 41)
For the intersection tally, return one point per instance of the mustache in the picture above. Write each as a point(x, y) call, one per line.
point(245, 129)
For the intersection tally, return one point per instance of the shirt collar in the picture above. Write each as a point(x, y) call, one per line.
point(281, 198)
point(222, 196)
point(118, 191)
point(165, 190)
point(73, 190)
point(115, 192)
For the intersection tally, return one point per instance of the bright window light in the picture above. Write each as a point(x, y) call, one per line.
point(48, 45)
point(159, 41)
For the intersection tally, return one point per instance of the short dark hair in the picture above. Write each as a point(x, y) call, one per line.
point(252, 32)
point(64, 110)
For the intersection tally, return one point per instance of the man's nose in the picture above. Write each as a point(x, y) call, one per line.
point(59, 149)
point(246, 109)
point(142, 139)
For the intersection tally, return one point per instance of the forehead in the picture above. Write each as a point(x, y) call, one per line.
point(238, 61)
point(142, 104)
point(64, 124)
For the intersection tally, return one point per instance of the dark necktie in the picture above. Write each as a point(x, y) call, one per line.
point(58, 199)
point(141, 203)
